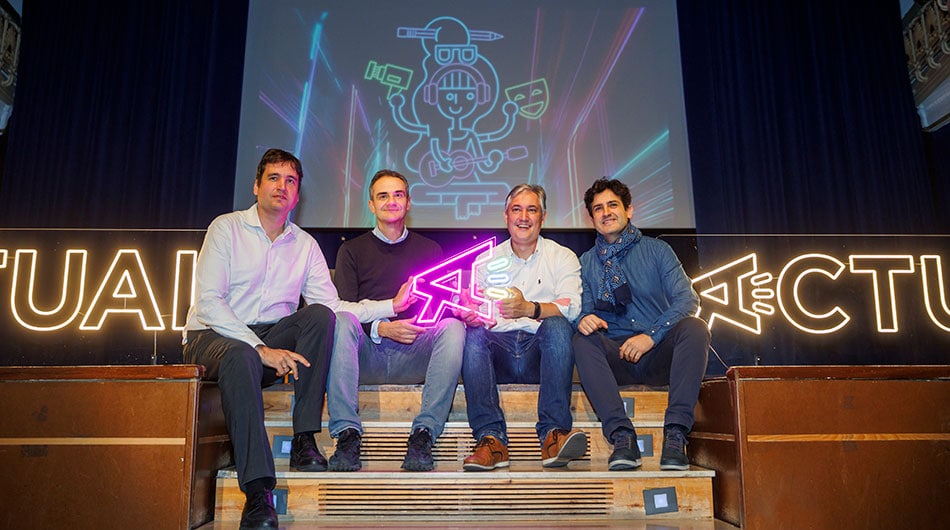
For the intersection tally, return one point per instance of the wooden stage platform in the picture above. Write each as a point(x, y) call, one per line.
point(773, 447)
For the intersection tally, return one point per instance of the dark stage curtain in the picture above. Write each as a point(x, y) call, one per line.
point(126, 114)
point(801, 119)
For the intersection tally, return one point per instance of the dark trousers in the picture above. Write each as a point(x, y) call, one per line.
point(237, 368)
point(678, 360)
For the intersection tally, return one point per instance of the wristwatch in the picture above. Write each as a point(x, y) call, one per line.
point(537, 310)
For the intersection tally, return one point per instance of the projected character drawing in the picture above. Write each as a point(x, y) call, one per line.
point(531, 98)
point(452, 154)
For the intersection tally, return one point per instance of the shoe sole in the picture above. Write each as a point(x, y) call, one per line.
point(421, 467)
point(257, 527)
point(624, 465)
point(343, 468)
point(674, 467)
point(479, 467)
point(573, 448)
point(312, 468)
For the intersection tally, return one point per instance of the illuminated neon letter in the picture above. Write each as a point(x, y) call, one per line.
point(439, 285)
point(130, 293)
point(185, 262)
point(726, 296)
point(885, 303)
point(790, 286)
point(21, 299)
point(935, 289)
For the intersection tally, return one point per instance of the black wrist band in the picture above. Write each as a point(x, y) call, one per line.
point(537, 310)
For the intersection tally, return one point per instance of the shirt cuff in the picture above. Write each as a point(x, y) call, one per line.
point(374, 331)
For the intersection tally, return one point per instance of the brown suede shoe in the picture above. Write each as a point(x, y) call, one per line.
point(489, 454)
point(561, 446)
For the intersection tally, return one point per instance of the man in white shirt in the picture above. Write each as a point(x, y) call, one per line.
point(244, 326)
point(529, 341)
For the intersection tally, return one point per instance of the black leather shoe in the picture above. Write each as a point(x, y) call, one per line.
point(259, 512)
point(304, 455)
point(674, 449)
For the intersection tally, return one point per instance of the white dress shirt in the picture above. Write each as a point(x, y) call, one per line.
point(551, 274)
point(244, 278)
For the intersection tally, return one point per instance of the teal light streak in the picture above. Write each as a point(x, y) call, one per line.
point(652, 146)
point(308, 85)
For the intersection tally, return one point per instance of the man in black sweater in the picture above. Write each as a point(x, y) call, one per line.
point(387, 351)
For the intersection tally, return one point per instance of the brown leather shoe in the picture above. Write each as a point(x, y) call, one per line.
point(561, 446)
point(489, 454)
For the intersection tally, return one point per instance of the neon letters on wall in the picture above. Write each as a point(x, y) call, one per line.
point(737, 294)
point(740, 295)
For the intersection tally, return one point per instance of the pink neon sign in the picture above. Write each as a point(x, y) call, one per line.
point(441, 285)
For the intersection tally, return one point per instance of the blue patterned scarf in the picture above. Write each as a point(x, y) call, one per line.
point(611, 255)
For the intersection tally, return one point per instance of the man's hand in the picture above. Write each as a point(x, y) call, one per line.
point(402, 331)
point(636, 347)
point(470, 316)
point(515, 306)
point(404, 298)
point(591, 323)
point(284, 361)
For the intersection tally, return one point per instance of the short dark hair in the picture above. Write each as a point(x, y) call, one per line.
point(603, 184)
point(521, 188)
point(387, 173)
point(278, 156)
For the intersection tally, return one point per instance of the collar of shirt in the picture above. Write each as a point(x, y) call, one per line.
point(529, 259)
point(252, 218)
point(382, 237)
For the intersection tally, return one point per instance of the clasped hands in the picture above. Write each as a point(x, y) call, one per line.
point(511, 307)
point(632, 349)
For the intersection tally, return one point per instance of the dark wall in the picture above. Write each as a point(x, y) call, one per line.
point(801, 119)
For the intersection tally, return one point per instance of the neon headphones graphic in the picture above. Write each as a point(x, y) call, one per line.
point(482, 89)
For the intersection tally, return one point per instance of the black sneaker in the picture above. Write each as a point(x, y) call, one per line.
point(304, 454)
point(347, 455)
point(259, 512)
point(419, 453)
point(674, 449)
point(626, 453)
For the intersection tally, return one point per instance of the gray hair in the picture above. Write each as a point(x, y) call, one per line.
point(521, 188)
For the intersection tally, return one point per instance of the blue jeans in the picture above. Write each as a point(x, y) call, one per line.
point(508, 357)
point(435, 358)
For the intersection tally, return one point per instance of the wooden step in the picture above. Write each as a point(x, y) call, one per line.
point(520, 403)
point(387, 412)
point(522, 492)
point(386, 442)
